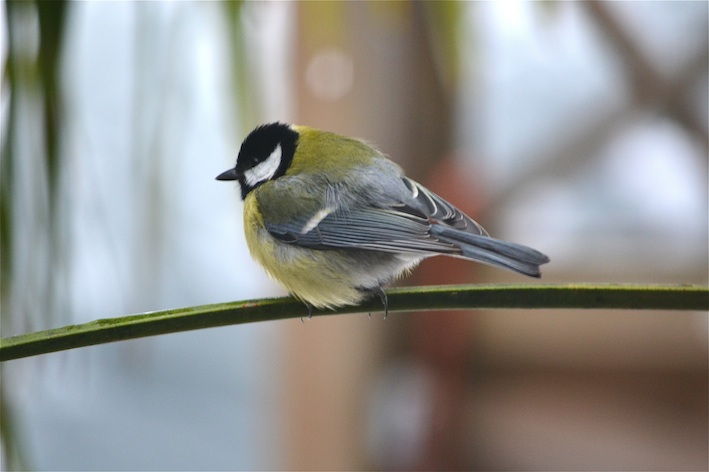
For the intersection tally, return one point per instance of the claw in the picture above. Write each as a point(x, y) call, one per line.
point(385, 301)
point(310, 311)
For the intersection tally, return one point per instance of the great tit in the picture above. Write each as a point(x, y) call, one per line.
point(333, 220)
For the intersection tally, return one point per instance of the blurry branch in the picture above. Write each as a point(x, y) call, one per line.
point(454, 297)
point(650, 90)
point(442, 22)
point(244, 88)
point(649, 86)
point(32, 80)
point(51, 33)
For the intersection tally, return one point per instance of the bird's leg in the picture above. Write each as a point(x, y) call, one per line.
point(379, 291)
point(382, 296)
point(385, 301)
point(310, 311)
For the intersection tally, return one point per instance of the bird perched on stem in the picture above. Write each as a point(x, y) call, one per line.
point(333, 220)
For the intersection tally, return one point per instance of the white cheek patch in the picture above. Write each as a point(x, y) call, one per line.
point(265, 170)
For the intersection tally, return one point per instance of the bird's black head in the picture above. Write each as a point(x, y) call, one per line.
point(265, 154)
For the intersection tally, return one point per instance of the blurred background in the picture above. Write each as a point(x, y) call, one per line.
point(577, 128)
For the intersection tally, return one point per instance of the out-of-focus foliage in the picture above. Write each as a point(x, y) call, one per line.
point(32, 125)
point(31, 87)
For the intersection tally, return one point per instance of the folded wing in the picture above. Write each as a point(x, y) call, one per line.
point(417, 222)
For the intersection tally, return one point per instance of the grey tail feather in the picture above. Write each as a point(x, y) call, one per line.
point(496, 252)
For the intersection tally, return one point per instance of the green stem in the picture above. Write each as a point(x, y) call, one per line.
point(455, 297)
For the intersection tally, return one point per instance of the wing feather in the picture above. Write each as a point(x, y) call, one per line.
point(364, 228)
point(436, 208)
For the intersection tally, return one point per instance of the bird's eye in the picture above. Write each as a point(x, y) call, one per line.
point(264, 170)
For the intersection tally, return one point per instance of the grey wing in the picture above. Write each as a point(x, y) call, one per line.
point(387, 230)
point(398, 221)
point(436, 208)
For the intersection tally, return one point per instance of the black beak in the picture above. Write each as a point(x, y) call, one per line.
point(228, 175)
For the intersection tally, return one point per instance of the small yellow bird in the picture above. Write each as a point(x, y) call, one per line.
point(334, 220)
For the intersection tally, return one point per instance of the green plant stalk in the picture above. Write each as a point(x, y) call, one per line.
point(450, 297)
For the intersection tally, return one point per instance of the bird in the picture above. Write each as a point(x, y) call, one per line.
point(334, 220)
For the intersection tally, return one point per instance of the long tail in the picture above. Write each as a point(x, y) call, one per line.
point(496, 252)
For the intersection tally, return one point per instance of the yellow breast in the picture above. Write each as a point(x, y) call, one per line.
point(313, 276)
